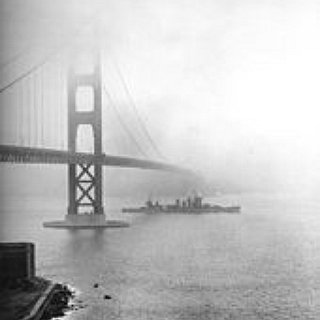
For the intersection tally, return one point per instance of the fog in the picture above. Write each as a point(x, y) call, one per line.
point(226, 88)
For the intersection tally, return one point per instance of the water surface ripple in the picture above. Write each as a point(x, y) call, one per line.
point(262, 264)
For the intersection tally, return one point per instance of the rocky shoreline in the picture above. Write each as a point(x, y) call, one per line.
point(59, 302)
point(34, 299)
point(18, 297)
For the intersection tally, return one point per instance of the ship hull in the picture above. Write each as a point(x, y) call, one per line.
point(213, 209)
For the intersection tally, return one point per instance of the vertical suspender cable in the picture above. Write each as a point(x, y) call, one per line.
point(60, 104)
point(34, 113)
point(123, 124)
point(25, 113)
point(21, 114)
point(135, 109)
point(24, 118)
point(41, 106)
point(13, 120)
point(36, 108)
point(17, 116)
point(31, 109)
point(48, 109)
point(28, 111)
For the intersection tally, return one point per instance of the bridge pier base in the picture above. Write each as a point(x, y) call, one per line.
point(85, 221)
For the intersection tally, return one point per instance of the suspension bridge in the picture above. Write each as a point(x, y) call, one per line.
point(57, 98)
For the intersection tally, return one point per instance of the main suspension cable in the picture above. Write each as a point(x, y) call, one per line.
point(122, 123)
point(134, 107)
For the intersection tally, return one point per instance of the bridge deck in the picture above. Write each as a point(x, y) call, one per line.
point(17, 154)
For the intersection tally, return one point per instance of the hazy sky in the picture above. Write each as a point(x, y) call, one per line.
point(228, 87)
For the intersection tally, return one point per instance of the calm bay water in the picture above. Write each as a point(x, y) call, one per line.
point(262, 264)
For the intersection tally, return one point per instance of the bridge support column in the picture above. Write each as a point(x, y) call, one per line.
point(85, 208)
point(85, 180)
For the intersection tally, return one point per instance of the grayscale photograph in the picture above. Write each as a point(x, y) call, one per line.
point(159, 159)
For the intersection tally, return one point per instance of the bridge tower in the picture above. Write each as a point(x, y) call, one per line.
point(85, 209)
point(85, 180)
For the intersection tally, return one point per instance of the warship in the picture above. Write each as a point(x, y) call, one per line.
point(190, 205)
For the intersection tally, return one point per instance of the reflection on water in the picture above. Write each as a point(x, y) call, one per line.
point(262, 264)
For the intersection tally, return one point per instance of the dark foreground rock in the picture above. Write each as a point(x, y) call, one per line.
point(18, 296)
point(59, 302)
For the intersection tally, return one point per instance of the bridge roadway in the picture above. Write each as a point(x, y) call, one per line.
point(18, 154)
